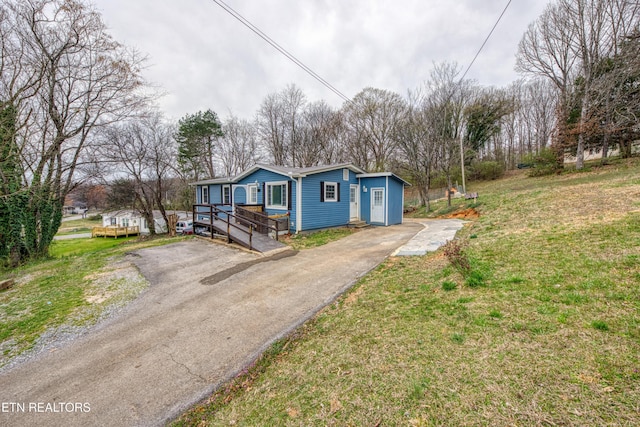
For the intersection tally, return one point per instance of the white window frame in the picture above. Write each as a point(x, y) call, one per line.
point(204, 195)
point(252, 191)
point(335, 191)
point(226, 194)
point(285, 195)
point(345, 174)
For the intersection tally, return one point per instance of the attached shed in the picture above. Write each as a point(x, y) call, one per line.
point(313, 198)
point(382, 198)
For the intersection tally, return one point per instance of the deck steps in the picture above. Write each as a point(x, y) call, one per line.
point(357, 224)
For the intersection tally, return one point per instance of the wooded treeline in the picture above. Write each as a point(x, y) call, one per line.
point(74, 109)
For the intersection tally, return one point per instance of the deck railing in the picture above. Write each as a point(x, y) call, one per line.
point(211, 213)
point(264, 223)
point(114, 231)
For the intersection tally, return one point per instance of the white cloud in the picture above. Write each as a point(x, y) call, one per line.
point(204, 58)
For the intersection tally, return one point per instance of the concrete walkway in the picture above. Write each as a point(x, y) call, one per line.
point(436, 233)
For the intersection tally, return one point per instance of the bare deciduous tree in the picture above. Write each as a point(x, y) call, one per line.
point(143, 152)
point(417, 143)
point(62, 77)
point(271, 129)
point(567, 45)
point(239, 148)
point(372, 118)
point(446, 99)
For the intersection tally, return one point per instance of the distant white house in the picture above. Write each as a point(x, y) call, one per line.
point(596, 153)
point(133, 218)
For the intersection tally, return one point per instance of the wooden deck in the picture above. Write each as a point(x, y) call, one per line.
point(114, 232)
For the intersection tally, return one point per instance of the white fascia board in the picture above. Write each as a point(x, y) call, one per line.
point(299, 205)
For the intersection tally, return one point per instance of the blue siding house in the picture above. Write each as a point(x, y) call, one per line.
point(314, 197)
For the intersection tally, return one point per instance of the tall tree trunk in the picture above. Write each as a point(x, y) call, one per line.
point(582, 129)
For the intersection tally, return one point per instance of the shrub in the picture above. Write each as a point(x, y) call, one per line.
point(454, 250)
point(543, 163)
point(486, 171)
point(472, 272)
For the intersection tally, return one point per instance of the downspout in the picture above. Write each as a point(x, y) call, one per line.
point(386, 202)
point(299, 205)
point(402, 216)
point(359, 199)
point(231, 191)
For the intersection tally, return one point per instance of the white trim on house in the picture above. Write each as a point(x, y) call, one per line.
point(356, 188)
point(252, 194)
point(402, 201)
point(204, 190)
point(386, 201)
point(325, 190)
point(283, 194)
point(226, 194)
point(373, 191)
point(381, 174)
point(299, 205)
point(297, 172)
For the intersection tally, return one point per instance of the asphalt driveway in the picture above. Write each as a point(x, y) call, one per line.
point(210, 310)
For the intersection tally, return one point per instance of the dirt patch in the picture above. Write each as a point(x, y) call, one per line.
point(469, 213)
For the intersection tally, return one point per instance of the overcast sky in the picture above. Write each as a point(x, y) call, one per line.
point(204, 58)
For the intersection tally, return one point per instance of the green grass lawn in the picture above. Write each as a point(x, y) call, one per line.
point(63, 248)
point(550, 335)
point(72, 288)
point(79, 225)
point(317, 238)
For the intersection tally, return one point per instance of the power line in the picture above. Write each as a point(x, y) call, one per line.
point(485, 41)
point(279, 48)
point(464, 184)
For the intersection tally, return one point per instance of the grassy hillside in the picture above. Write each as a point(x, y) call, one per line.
point(549, 334)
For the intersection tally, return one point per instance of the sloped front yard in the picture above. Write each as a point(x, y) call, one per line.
point(550, 335)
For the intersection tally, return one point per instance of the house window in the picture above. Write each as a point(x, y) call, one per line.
point(330, 192)
point(226, 194)
point(345, 174)
point(125, 222)
point(205, 195)
point(114, 220)
point(277, 195)
point(253, 195)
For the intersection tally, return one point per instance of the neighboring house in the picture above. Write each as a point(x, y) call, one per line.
point(314, 197)
point(133, 218)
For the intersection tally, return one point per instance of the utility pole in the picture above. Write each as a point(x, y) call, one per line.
point(464, 187)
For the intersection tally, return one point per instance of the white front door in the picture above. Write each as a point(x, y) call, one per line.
point(377, 205)
point(354, 213)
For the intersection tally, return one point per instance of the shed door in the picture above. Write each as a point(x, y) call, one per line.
point(354, 214)
point(377, 205)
